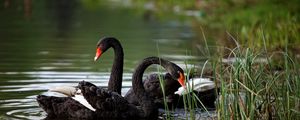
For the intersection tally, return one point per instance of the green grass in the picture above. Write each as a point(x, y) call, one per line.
point(263, 83)
point(258, 90)
point(255, 90)
point(245, 20)
point(277, 20)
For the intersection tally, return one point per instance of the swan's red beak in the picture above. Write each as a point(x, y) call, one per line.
point(181, 79)
point(98, 54)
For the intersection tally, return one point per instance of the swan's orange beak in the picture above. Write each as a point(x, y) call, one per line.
point(181, 80)
point(98, 54)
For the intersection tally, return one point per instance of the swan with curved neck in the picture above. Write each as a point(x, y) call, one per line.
point(204, 88)
point(115, 80)
point(52, 104)
point(112, 105)
point(152, 86)
point(137, 84)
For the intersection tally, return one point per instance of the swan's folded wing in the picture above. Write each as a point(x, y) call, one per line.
point(107, 104)
point(89, 92)
point(102, 99)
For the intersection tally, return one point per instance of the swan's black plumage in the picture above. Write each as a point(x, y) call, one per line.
point(107, 104)
point(152, 83)
point(64, 107)
point(139, 91)
point(153, 88)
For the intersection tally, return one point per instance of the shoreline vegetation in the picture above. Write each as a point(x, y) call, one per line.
point(251, 48)
point(256, 63)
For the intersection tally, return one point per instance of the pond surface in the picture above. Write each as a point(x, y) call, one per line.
point(52, 43)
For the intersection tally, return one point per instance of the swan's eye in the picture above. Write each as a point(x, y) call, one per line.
point(100, 46)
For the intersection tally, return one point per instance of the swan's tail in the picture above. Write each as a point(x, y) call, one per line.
point(45, 102)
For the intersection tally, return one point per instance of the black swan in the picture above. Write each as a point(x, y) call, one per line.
point(76, 106)
point(203, 88)
point(112, 105)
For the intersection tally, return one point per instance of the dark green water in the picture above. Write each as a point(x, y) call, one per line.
point(52, 43)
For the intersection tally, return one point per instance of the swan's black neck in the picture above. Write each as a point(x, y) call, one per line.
point(147, 103)
point(115, 80)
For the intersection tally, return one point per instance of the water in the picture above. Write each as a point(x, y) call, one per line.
point(52, 43)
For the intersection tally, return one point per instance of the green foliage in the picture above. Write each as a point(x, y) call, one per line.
point(258, 23)
point(270, 23)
